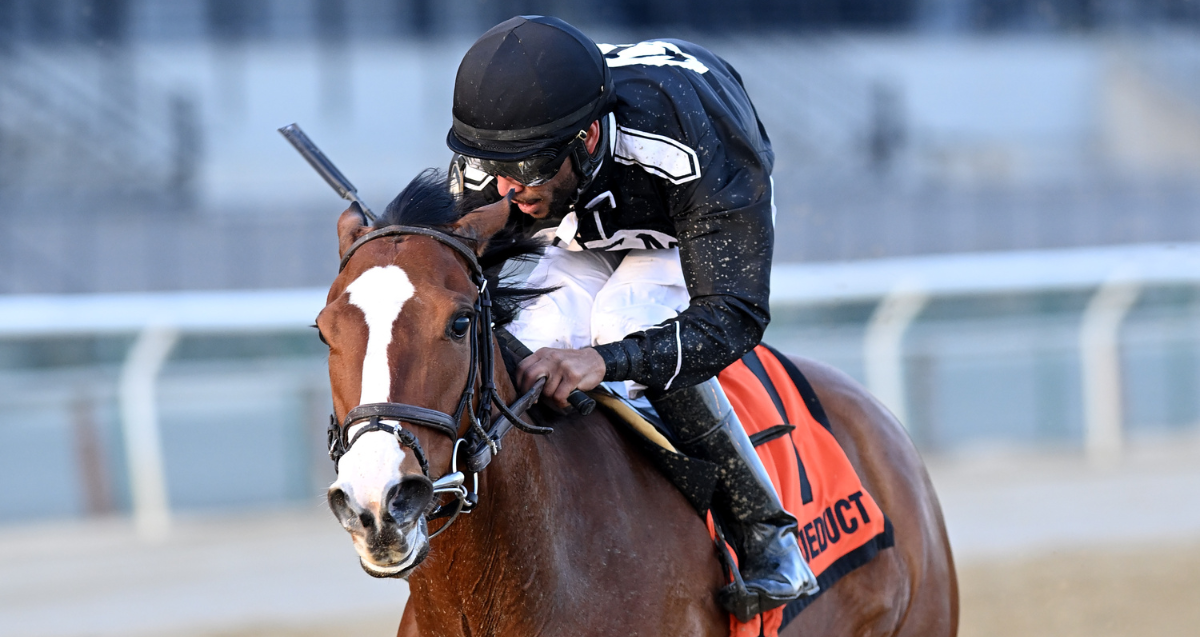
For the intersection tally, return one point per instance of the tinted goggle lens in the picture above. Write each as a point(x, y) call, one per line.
point(531, 171)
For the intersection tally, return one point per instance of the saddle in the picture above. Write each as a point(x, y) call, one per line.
point(841, 527)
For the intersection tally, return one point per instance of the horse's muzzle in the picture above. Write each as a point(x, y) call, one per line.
point(391, 537)
point(399, 563)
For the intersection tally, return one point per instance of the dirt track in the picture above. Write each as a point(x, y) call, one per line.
point(271, 574)
point(1100, 593)
point(1132, 591)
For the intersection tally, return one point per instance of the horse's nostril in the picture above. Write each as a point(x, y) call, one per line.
point(339, 505)
point(410, 498)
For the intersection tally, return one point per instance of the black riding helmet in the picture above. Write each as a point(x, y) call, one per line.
point(524, 96)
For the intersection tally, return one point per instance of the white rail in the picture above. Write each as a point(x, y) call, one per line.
point(791, 284)
point(1100, 362)
point(216, 311)
point(883, 346)
point(983, 273)
point(139, 421)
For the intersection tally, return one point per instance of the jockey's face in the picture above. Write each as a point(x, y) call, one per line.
point(549, 199)
point(543, 200)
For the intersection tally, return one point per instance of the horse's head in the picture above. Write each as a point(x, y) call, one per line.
point(398, 322)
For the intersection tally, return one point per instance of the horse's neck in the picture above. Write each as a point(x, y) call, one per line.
point(496, 565)
point(570, 528)
point(502, 560)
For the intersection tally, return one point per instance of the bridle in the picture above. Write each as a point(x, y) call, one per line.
point(481, 444)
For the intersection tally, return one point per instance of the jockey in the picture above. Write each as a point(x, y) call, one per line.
point(647, 168)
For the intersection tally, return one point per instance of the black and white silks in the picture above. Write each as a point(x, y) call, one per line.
point(689, 166)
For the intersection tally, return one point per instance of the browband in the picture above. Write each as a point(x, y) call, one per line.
point(437, 235)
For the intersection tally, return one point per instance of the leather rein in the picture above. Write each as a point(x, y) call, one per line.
point(480, 444)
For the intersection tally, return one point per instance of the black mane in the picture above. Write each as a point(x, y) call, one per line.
point(427, 202)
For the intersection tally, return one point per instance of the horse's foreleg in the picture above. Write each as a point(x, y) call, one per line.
point(408, 624)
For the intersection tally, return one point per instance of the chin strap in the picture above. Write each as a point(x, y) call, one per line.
point(587, 165)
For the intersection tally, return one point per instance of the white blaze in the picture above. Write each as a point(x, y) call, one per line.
point(373, 464)
point(380, 293)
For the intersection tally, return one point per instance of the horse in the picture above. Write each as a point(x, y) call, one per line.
point(571, 533)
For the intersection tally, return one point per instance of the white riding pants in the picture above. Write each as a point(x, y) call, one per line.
point(601, 297)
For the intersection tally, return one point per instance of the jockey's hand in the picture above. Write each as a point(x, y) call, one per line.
point(564, 370)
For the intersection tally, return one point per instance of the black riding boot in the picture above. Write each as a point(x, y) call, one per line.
point(761, 531)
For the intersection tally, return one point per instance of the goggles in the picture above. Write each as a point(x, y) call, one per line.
point(534, 170)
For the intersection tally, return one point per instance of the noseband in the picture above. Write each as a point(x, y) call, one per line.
point(481, 444)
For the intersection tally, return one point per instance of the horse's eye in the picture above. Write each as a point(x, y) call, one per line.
point(460, 325)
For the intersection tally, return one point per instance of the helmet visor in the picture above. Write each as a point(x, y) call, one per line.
point(534, 170)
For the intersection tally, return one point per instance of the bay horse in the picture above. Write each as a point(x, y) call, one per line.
point(571, 533)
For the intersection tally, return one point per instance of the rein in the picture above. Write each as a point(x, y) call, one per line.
point(481, 444)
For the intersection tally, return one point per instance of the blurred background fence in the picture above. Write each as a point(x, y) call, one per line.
point(1071, 350)
point(974, 138)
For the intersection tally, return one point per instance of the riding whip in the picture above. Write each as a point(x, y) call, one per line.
point(323, 166)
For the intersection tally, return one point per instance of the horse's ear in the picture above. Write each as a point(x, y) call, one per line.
point(351, 225)
point(481, 224)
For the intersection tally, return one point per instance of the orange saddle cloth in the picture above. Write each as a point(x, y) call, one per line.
point(841, 526)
